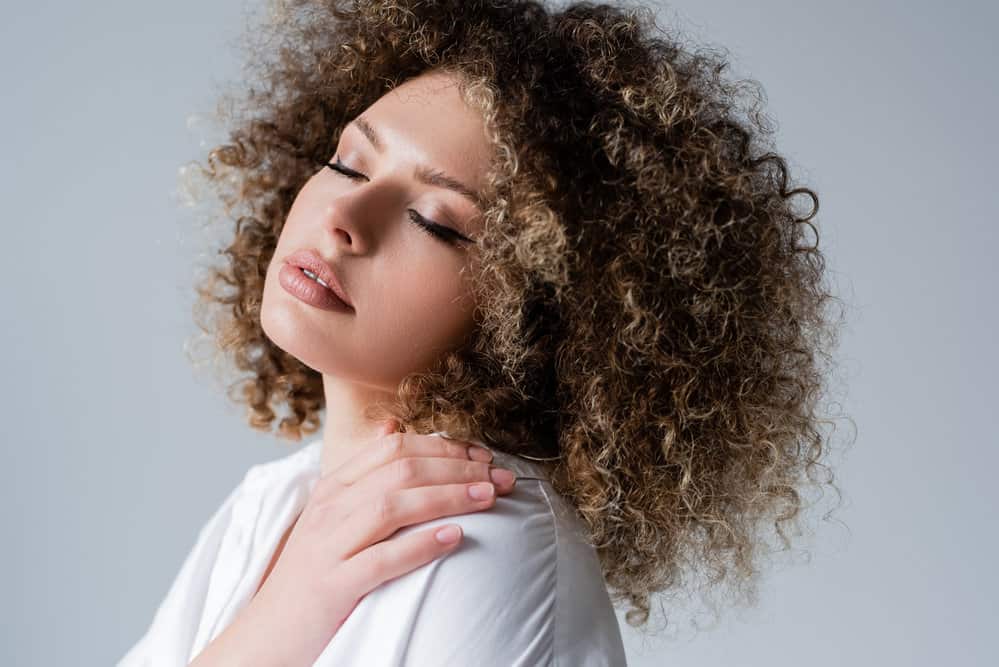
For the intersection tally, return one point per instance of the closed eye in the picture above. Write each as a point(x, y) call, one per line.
point(438, 231)
point(341, 168)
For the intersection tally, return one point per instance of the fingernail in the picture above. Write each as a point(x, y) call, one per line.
point(501, 476)
point(477, 453)
point(448, 534)
point(483, 491)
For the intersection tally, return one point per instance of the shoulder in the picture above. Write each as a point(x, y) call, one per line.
point(490, 602)
point(512, 548)
point(523, 587)
point(303, 461)
point(536, 578)
point(176, 618)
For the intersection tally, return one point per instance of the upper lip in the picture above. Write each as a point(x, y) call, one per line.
point(311, 260)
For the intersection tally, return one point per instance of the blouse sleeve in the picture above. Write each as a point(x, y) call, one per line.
point(168, 638)
point(489, 603)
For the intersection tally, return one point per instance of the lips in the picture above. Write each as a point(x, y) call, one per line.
point(310, 259)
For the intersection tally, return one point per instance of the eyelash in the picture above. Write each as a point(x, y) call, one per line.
point(445, 234)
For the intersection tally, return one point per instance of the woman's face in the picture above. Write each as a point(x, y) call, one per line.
point(410, 298)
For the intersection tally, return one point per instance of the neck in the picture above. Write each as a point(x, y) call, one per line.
point(346, 431)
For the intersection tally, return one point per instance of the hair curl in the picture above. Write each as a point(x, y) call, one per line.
point(651, 312)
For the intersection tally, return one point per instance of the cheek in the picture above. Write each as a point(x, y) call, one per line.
point(304, 208)
point(433, 310)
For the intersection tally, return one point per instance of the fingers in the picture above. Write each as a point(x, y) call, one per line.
point(406, 507)
point(397, 480)
point(392, 558)
point(394, 446)
point(370, 500)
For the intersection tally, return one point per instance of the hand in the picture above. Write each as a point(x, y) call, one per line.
point(337, 551)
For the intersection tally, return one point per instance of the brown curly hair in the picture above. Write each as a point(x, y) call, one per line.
point(651, 314)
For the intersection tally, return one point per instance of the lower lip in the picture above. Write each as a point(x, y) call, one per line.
point(299, 285)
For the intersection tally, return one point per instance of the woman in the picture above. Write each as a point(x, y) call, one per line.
point(547, 233)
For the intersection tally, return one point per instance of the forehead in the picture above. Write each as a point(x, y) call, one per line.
point(425, 119)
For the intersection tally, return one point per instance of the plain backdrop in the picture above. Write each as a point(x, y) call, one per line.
point(116, 450)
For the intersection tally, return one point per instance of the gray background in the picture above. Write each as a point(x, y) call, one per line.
point(117, 450)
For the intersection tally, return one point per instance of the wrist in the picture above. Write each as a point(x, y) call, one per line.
point(236, 646)
point(264, 636)
point(289, 629)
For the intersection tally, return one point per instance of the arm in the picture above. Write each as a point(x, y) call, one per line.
point(249, 639)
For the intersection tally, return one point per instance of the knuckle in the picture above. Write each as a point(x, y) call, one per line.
point(406, 470)
point(385, 508)
point(376, 563)
point(454, 500)
point(475, 470)
point(452, 448)
point(442, 446)
point(395, 444)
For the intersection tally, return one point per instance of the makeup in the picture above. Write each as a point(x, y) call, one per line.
point(294, 281)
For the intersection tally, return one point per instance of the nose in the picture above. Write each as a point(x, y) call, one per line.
point(345, 225)
point(353, 218)
point(342, 232)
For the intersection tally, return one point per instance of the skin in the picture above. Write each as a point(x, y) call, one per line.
point(411, 299)
point(411, 303)
point(339, 552)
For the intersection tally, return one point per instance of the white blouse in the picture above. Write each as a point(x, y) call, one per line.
point(522, 588)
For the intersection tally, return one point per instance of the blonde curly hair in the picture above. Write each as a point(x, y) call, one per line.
point(653, 319)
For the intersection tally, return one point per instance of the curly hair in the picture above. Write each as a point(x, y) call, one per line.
point(652, 317)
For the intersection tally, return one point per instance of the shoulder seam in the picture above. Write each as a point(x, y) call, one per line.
point(558, 549)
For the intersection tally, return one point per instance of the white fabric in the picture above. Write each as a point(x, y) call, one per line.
point(523, 588)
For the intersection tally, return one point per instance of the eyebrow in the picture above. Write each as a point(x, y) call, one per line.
point(424, 173)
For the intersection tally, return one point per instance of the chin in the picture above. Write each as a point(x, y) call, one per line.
point(289, 328)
